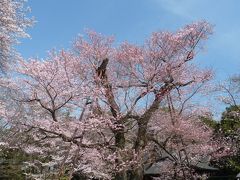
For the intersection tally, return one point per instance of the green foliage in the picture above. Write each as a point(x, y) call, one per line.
point(235, 164)
point(210, 122)
point(229, 127)
point(230, 121)
point(11, 163)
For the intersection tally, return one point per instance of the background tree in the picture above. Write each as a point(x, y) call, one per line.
point(230, 120)
point(11, 163)
point(13, 23)
point(228, 130)
point(229, 125)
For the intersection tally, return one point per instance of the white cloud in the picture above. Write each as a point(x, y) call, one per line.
point(183, 8)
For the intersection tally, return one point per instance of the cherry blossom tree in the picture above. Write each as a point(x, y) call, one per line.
point(13, 23)
point(110, 112)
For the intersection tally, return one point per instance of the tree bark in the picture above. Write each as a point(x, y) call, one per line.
point(121, 176)
point(136, 174)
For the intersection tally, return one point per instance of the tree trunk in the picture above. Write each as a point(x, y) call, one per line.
point(136, 174)
point(130, 175)
point(121, 176)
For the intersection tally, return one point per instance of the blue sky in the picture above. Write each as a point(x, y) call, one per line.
point(60, 21)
